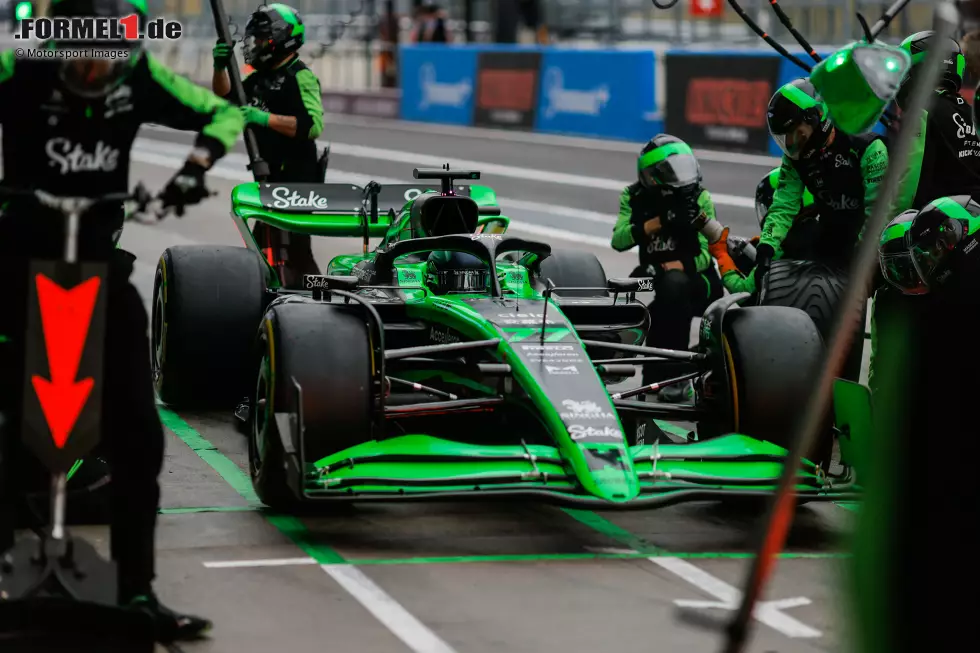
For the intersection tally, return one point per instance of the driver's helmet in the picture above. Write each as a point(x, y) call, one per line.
point(668, 165)
point(272, 33)
point(766, 191)
point(894, 258)
point(96, 77)
point(954, 63)
point(798, 119)
point(457, 272)
point(942, 232)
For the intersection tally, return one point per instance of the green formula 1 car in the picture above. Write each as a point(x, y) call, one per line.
point(455, 360)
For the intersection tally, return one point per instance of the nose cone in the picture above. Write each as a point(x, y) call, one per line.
point(611, 474)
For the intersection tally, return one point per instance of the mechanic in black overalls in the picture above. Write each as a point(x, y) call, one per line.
point(656, 214)
point(842, 172)
point(69, 125)
point(286, 105)
point(945, 159)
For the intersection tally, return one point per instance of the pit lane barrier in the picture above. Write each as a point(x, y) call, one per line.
point(712, 98)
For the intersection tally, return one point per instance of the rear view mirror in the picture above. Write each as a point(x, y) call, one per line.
point(630, 284)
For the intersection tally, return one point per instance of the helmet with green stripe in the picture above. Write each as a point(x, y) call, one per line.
point(93, 77)
point(668, 162)
point(954, 63)
point(942, 234)
point(272, 33)
point(765, 192)
point(798, 119)
point(894, 258)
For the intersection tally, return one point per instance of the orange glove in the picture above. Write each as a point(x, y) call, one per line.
point(719, 250)
point(755, 241)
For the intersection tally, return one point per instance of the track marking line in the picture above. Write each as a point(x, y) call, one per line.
point(271, 562)
point(361, 588)
point(536, 138)
point(412, 632)
point(412, 158)
point(768, 613)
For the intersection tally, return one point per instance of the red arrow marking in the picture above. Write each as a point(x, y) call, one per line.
point(66, 316)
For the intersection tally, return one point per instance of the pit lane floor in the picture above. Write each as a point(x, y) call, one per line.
point(474, 577)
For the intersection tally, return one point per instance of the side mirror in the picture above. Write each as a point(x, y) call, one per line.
point(630, 285)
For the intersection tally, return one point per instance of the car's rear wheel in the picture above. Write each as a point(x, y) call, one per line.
point(207, 301)
point(569, 268)
point(771, 354)
point(327, 351)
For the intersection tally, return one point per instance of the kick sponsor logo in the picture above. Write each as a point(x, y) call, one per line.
point(577, 410)
point(438, 94)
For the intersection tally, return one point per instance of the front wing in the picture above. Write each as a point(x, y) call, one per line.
point(420, 467)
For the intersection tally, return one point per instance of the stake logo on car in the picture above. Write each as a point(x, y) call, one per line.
point(285, 198)
point(563, 370)
point(584, 410)
point(581, 432)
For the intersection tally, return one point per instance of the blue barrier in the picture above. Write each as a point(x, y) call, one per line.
point(438, 83)
point(608, 94)
point(600, 93)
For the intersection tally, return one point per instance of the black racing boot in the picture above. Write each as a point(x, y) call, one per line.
point(170, 626)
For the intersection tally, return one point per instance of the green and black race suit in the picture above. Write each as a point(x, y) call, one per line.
point(844, 177)
point(946, 146)
point(676, 241)
point(290, 90)
point(69, 146)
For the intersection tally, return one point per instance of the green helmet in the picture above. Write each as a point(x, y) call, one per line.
point(894, 258)
point(272, 33)
point(793, 107)
point(765, 192)
point(940, 236)
point(954, 63)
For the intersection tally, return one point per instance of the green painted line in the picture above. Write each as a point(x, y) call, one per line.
point(557, 557)
point(612, 531)
point(189, 511)
point(289, 526)
point(229, 471)
point(853, 506)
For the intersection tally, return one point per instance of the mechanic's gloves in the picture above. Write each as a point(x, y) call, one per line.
point(185, 188)
point(719, 251)
point(763, 259)
point(755, 240)
point(643, 272)
point(221, 53)
point(255, 116)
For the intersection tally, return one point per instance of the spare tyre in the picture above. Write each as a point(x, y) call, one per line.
point(815, 288)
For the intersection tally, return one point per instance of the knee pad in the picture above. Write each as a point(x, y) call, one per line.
point(673, 287)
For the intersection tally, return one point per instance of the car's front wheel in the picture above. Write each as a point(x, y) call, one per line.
point(314, 360)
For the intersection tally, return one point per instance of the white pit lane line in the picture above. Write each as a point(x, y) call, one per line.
point(414, 159)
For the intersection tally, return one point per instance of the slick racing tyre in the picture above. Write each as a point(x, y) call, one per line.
point(327, 351)
point(815, 288)
point(207, 302)
point(569, 268)
point(771, 354)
